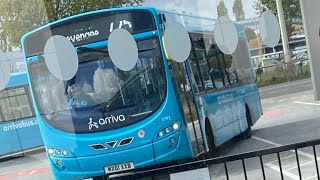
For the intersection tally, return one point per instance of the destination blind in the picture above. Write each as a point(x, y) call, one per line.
point(91, 28)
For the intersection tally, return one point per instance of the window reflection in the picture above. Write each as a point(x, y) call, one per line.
point(15, 104)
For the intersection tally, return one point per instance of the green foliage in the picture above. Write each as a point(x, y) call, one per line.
point(291, 8)
point(222, 9)
point(19, 17)
point(57, 9)
point(238, 10)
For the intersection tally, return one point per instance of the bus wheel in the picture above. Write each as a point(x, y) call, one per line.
point(248, 133)
point(210, 140)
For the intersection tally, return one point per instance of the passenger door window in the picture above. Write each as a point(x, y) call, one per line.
point(187, 105)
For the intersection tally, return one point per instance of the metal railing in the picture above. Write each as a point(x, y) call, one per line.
point(298, 54)
point(280, 72)
point(150, 173)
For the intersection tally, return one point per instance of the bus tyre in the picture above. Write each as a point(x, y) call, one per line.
point(210, 140)
point(248, 133)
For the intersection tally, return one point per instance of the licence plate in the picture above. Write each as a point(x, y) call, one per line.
point(119, 167)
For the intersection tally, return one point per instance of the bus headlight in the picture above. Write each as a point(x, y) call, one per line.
point(65, 153)
point(168, 130)
point(161, 134)
point(58, 152)
point(175, 126)
point(50, 151)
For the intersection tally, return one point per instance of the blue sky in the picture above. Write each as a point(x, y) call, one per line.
point(202, 7)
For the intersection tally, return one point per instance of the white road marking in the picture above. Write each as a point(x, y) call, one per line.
point(274, 107)
point(287, 173)
point(300, 165)
point(282, 100)
point(306, 103)
point(276, 144)
point(275, 92)
point(281, 159)
point(291, 84)
point(21, 173)
point(277, 168)
point(32, 172)
point(311, 177)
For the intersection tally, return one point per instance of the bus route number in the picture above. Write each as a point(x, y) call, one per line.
point(121, 24)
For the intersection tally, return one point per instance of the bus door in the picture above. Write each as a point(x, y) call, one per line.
point(187, 106)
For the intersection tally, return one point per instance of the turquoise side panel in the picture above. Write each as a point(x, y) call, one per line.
point(226, 110)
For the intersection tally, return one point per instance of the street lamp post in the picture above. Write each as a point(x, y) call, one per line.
point(283, 29)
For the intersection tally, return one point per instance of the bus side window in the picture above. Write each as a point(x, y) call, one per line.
point(197, 84)
point(242, 63)
point(229, 73)
point(199, 67)
point(215, 64)
point(230, 69)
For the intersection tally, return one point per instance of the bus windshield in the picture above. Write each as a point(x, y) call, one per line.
point(100, 96)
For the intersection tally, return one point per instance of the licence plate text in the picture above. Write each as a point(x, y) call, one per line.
point(119, 167)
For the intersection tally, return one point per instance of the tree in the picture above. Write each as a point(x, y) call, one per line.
point(57, 9)
point(291, 8)
point(222, 9)
point(19, 17)
point(238, 10)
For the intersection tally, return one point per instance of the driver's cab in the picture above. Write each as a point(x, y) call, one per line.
point(95, 82)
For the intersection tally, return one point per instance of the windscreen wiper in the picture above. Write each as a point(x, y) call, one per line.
point(86, 49)
point(144, 50)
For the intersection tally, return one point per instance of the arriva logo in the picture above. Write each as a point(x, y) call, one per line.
point(92, 124)
point(82, 36)
point(108, 120)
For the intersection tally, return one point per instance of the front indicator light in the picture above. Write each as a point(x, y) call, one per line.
point(173, 140)
point(50, 151)
point(58, 152)
point(175, 126)
point(161, 133)
point(65, 153)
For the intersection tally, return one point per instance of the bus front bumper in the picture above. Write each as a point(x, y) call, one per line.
point(159, 152)
point(92, 166)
